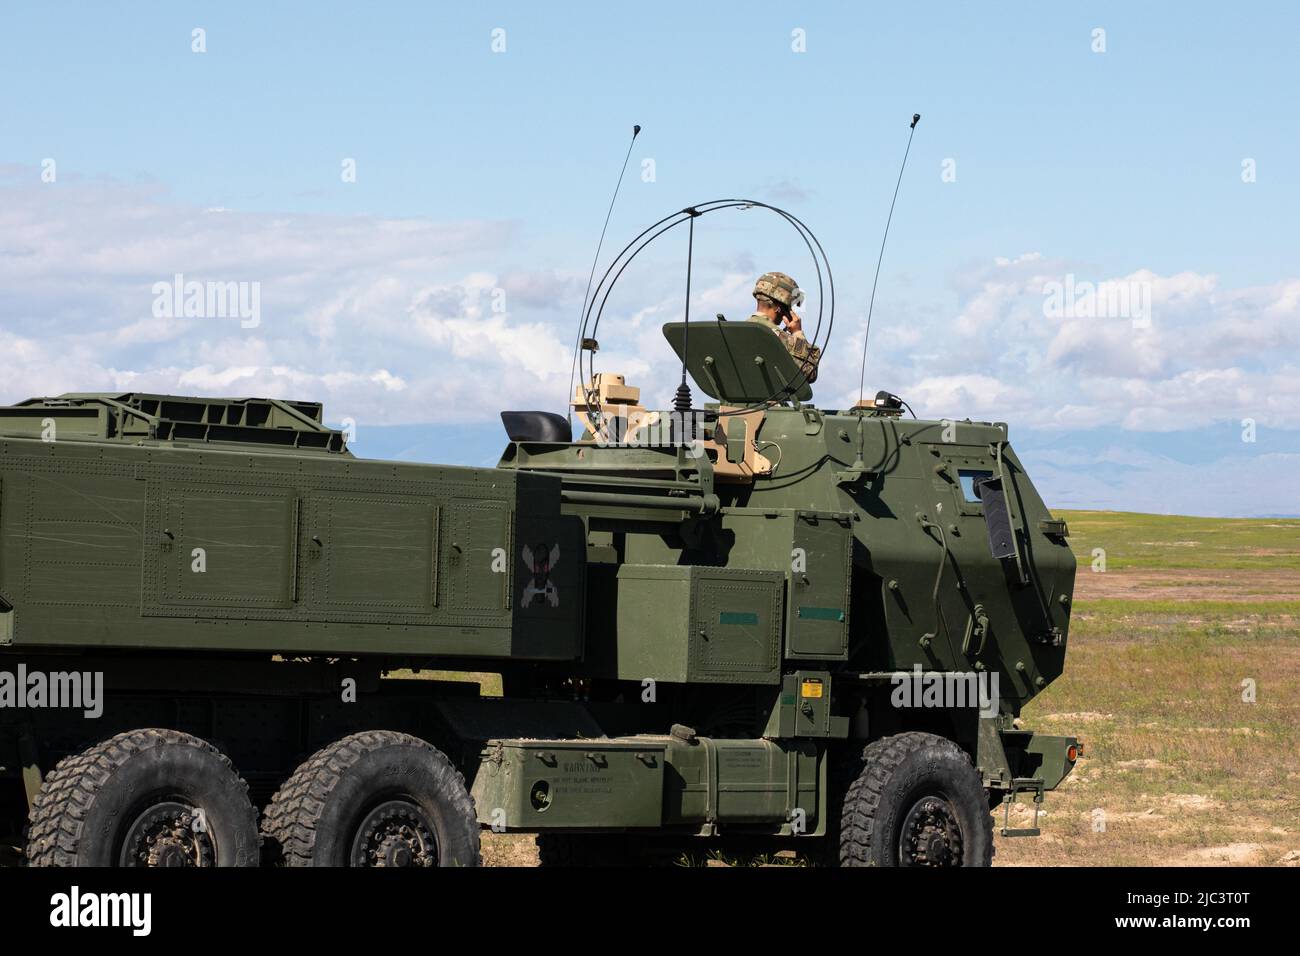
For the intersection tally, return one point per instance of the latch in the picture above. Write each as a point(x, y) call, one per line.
point(976, 627)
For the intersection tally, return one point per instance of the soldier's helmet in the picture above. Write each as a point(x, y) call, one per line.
point(780, 288)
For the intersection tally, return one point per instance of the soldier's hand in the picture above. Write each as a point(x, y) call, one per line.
point(793, 323)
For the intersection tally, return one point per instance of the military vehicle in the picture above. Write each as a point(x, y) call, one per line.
point(754, 625)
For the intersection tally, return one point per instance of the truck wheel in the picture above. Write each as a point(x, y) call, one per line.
point(376, 798)
point(144, 798)
point(917, 802)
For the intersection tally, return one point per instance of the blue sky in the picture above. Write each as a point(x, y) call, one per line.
point(479, 171)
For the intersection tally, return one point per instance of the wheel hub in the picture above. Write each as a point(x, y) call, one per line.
point(395, 833)
point(168, 834)
point(930, 835)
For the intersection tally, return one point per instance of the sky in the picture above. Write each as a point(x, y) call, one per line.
point(409, 197)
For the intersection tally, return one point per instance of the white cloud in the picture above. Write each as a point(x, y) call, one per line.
point(383, 320)
point(393, 321)
point(974, 395)
point(1208, 353)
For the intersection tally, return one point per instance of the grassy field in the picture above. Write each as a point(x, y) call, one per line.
point(1183, 678)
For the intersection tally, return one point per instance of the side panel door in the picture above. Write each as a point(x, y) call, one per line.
point(374, 554)
point(817, 624)
point(227, 552)
point(478, 553)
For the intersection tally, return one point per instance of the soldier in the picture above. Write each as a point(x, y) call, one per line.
point(776, 295)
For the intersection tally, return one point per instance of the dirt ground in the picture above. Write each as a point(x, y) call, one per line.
point(1182, 677)
point(1235, 585)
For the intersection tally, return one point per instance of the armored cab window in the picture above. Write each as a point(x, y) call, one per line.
point(970, 480)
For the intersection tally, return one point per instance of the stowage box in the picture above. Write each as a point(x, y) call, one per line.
point(683, 623)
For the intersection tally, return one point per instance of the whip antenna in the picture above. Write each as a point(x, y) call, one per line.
point(862, 376)
point(577, 345)
point(682, 400)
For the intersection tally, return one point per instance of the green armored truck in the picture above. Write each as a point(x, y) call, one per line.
point(756, 624)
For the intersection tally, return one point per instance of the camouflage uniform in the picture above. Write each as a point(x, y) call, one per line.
point(780, 288)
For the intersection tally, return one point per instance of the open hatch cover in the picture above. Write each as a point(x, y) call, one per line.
point(738, 363)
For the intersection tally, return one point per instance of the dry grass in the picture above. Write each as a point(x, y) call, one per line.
point(1180, 768)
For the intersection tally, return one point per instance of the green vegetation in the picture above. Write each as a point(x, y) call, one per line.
point(1183, 679)
point(1151, 542)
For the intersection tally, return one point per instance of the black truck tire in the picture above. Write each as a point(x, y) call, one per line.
point(144, 798)
point(375, 798)
point(918, 801)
